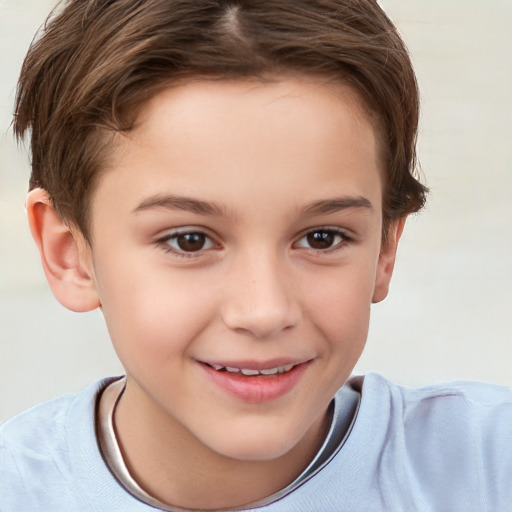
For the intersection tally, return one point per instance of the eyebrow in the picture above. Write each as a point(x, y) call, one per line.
point(326, 206)
point(187, 204)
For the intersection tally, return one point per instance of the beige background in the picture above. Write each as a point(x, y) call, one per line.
point(449, 314)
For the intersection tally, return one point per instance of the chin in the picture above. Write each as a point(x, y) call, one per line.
point(256, 446)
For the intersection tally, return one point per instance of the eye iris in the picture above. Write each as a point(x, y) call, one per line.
point(191, 242)
point(320, 239)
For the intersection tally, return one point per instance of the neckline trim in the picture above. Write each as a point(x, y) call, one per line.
point(344, 406)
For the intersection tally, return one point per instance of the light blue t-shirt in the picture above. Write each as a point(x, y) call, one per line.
point(441, 448)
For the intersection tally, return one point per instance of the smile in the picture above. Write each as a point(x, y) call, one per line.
point(257, 384)
point(253, 372)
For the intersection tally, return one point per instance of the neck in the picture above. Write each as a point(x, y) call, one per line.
point(176, 468)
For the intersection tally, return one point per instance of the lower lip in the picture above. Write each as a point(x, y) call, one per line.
point(256, 388)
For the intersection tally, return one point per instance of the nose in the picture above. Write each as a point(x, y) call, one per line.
point(259, 297)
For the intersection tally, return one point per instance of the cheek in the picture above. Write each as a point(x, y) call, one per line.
point(339, 306)
point(152, 316)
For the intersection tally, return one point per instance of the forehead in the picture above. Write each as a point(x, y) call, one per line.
point(234, 141)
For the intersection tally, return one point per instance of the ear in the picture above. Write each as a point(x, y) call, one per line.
point(66, 257)
point(386, 261)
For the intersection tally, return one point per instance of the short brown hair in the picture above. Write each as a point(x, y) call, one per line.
point(97, 61)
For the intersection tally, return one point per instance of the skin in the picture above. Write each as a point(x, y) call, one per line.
point(277, 161)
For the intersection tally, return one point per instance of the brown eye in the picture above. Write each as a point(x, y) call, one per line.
point(191, 242)
point(188, 242)
point(322, 239)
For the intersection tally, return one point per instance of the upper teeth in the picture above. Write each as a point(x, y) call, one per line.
point(247, 371)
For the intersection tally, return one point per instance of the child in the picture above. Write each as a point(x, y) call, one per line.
point(228, 182)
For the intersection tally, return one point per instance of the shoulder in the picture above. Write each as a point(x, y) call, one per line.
point(445, 447)
point(455, 405)
point(460, 416)
point(44, 421)
point(449, 442)
point(478, 394)
point(45, 449)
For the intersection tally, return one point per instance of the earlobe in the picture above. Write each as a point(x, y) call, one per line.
point(386, 261)
point(64, 262)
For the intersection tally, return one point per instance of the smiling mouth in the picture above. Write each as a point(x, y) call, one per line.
point(260, 382)
point(250, 372)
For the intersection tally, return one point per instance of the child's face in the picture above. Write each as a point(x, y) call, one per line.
point(239, 224)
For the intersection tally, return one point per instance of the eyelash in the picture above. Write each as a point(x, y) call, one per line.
point(332, 231)
point(165, 243)
point(166, 240)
